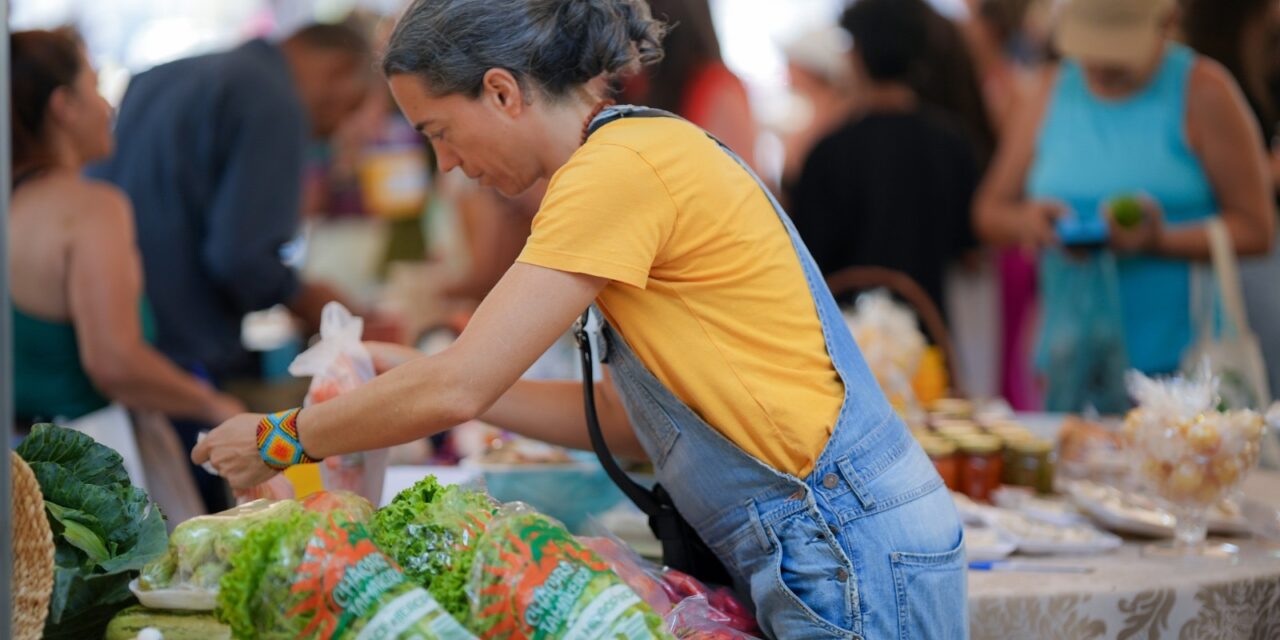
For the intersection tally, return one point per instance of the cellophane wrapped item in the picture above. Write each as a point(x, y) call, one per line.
point(431, 531)
point(200, 549)
point(891, 343)
point(317, 575)
point(668, 590)
point(696, 619)
point(337, 364)
point(532, 579)
point(1188, 452)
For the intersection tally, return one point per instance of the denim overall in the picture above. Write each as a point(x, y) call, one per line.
point(868, 546)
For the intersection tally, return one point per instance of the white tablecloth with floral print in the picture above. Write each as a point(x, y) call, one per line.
point(1130, 596)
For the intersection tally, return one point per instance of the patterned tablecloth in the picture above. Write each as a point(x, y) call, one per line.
point(1129, 596)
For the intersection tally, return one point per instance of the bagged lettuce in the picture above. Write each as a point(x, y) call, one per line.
point(431, 532)
point(319, 576)
point(531, 579)
point(200, 548)
point(105, 530)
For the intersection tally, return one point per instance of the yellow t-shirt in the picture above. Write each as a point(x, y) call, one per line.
point(706, 286)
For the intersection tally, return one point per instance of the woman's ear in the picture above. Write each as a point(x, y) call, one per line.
point(503, 92)
point(60, 107)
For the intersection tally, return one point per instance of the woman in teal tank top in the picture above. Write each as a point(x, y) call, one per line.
point(1127, 113)
point(49, 382)
point(82, 329)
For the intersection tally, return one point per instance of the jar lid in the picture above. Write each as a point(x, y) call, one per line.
point(952, 407)
point(1012, 434)
point(1005, 424)
point(953, 425)
point(1032, 446)
point(937, 447)
point(979, 444)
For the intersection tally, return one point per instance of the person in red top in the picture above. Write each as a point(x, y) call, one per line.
point(693, 82)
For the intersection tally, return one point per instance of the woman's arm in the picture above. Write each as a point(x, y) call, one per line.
point(1002, 214)
point(551, 411)
point(524, 314)
point(104, 289)
point(1223, 133)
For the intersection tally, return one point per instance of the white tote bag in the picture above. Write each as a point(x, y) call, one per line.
point(112, 427)
point(1233, 353)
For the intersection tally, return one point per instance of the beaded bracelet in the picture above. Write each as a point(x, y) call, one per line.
point(278, 442)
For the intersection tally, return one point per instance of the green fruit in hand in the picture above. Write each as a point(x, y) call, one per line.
point(1127, 211)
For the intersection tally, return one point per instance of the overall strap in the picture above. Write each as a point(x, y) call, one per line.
point(612, 114)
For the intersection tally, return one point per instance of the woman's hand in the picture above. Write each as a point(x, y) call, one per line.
point(1143, 237)
point(387, 356)
point(232, 449)
point(222, 407)
point(1036, 220)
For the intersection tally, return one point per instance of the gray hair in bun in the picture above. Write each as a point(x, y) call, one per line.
point(558, 45)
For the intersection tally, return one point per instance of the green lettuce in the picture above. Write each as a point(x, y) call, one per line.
point(254, 597)
point(431, 531)
point(319, 576)
point(105, 530)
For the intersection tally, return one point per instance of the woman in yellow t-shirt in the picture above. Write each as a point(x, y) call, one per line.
point(731, 366)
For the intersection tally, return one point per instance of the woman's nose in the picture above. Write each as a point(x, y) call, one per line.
point(448, 159)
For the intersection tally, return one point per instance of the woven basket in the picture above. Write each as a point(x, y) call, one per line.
point(32, 554)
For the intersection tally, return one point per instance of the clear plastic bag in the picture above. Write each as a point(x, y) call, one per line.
point(187, 576)
point(665, 589)
point(1082, 348)
point(337, 364)
point(891, 343)
point(318, 576)
point(431, 532)
point(532, 579)
point(696, 619)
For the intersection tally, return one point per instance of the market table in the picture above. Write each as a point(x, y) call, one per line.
point(1125, 596)
point(1128, 595)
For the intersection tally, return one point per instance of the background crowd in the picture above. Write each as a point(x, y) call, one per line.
point(925, 139)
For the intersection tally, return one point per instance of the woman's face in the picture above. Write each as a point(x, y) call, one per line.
point(1115, 81)
point(488, 137)
point(86, 116)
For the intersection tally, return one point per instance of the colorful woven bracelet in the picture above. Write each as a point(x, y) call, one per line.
point(278, 442)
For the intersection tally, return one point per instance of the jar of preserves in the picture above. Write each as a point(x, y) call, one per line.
point(980, 466)
point(956, 429)
point(943, 454)
point(1029, 462)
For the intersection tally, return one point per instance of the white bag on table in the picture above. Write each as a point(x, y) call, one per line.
point(1233, 354)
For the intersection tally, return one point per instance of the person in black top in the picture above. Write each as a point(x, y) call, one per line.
point(892, 188)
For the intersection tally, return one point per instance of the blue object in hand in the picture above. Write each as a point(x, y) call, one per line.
point(1075, 231)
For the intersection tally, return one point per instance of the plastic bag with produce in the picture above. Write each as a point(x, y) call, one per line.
point(532, 579)
point(431, 532)
point(319, 576)
point(200, 550)
point(695, 618)
point(337, 364)
point(665, 589)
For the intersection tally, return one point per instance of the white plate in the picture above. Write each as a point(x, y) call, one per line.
point(1052, 510)
point(1036, 537)
point(983, 544)
point(180, 599)
point(1128, 513)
